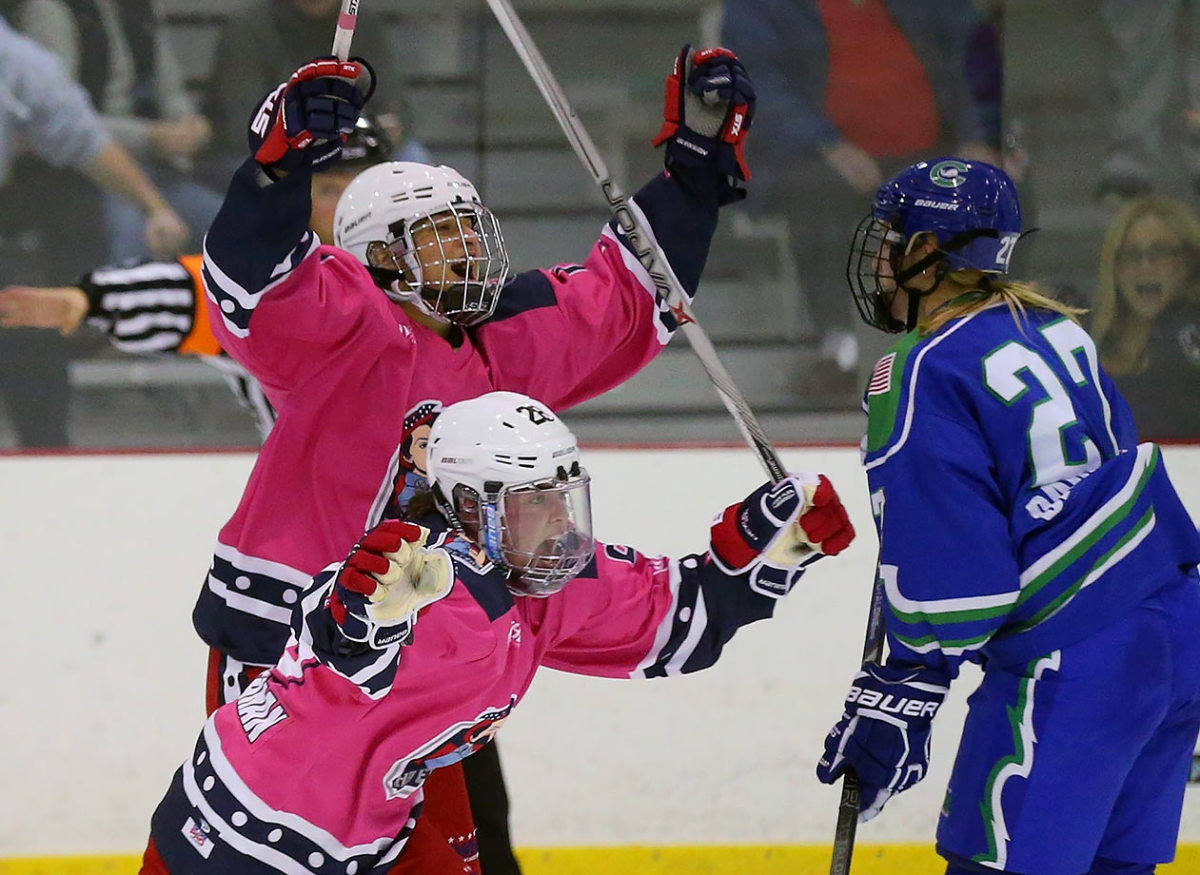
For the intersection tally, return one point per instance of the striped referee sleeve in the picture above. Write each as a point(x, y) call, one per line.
point(145, 307)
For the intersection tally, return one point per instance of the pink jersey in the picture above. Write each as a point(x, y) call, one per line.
point(320, 763)
point(351, 377)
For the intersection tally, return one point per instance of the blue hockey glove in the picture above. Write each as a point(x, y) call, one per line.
point(884, 732)
point(709, 106)
point(779, 530)
point(304, 121)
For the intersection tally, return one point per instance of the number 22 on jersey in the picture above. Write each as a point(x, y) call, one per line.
point(1059, 446)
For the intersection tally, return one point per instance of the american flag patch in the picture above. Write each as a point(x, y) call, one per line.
point(881, 377)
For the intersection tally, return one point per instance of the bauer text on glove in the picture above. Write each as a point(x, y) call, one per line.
point(884, 732)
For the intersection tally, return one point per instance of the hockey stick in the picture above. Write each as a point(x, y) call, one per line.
point(847, 817)
point(347, 20)
point(647, 250)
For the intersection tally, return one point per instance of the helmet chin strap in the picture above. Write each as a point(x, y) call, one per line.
point(937, 259)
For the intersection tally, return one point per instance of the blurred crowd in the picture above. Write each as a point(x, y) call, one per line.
point(111, 151)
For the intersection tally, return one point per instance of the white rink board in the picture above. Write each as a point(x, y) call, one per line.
point(103, 555)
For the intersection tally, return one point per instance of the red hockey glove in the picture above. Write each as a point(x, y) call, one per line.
point(304, 121)
point(779, 530)
point(388, 576)
point(826, 525)
point(709, 106)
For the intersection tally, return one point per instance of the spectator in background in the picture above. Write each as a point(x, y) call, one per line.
point(1146, 319)
point(119, 52)
point(852, 91)
point(257, 49)
point(1148, 67)
point(44, 113)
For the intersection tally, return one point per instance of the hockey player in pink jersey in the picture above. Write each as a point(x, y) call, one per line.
point(413, 309)
point(412, 653)
point(413, 306)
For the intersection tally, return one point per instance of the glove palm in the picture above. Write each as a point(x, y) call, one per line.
point(707, 113)
point(389, 576)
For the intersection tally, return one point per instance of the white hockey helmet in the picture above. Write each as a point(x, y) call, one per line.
point(506, 472)
point(426, 237)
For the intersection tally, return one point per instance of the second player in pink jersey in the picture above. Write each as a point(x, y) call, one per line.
point(411, 654)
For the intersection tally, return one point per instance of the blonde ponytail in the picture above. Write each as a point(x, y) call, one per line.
point(985, 290)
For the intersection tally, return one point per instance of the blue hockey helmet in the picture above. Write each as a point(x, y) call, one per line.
point(969, 208)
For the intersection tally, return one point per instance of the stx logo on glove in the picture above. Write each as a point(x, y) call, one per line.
point(262, 118)
point(891, 704)
point(735, 125)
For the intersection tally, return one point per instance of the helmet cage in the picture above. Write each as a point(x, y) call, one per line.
point(455, 272)
point(875, 245)
point(499, 522)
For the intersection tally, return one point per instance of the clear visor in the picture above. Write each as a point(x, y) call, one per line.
point(871, 272)
point(543, 531)
point(453, 261)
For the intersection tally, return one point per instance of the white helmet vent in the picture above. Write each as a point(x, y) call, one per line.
point(421, 193)
point(529, 462)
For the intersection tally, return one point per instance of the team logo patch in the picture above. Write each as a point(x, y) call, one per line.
point(948, 174)
point(881, 377)
point(456, 743)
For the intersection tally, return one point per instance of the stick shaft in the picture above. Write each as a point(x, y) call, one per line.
point(847, 818)
point(347, 20)
point(632, 225)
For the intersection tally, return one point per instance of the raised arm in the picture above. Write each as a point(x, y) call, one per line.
point(642, 617)
point(595, 325)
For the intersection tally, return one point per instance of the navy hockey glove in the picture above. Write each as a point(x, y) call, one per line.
point(709, 106)
point(304, 121)
point(779, 530)
point(388, 576)
point(884, 732)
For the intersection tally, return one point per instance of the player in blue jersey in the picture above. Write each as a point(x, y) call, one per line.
point(1021, 527)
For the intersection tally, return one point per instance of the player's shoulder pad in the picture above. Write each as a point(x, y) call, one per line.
point(921, 375)
point(483, 579)
point(530, 290)
point(887, 394)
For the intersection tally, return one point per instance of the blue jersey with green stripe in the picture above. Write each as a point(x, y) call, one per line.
point(1016, 511)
